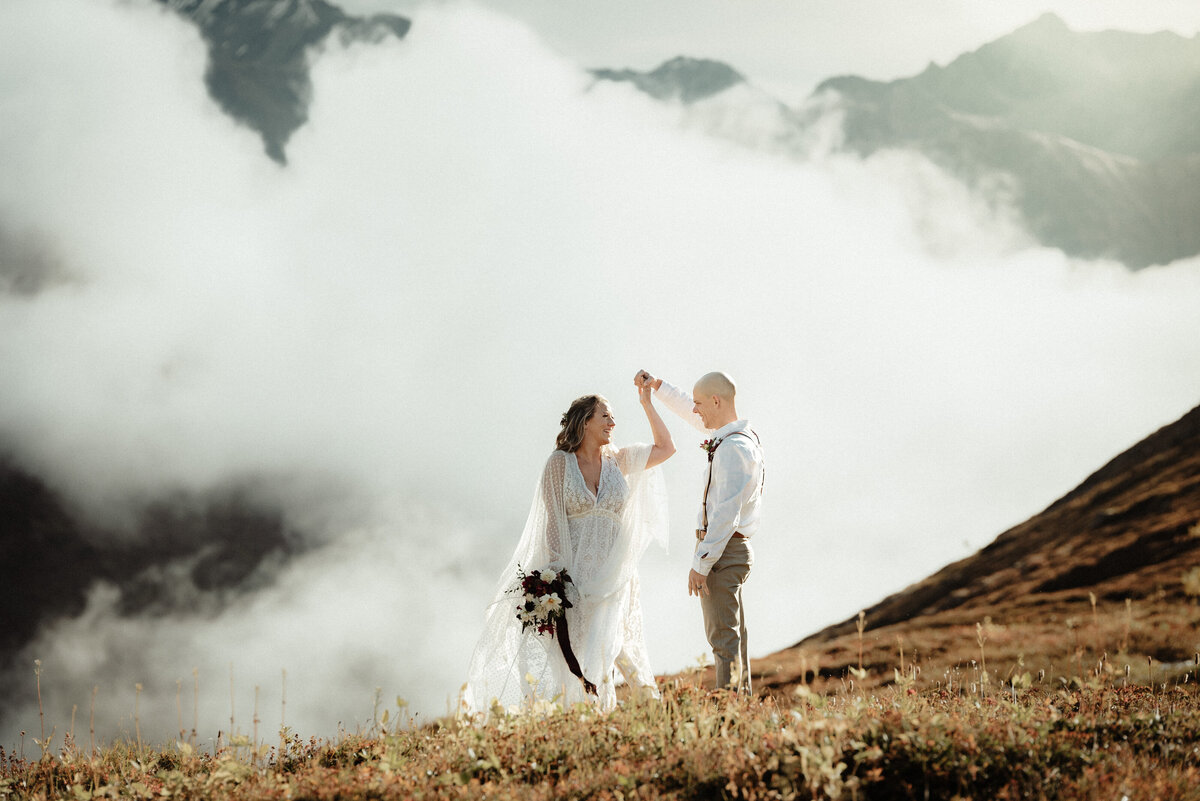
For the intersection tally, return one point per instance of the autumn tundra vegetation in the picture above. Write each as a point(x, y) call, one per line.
point(972, 735)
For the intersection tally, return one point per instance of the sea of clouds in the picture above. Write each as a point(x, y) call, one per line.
point(383, 334)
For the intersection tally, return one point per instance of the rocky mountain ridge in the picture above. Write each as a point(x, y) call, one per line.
point(1094, 138)
point(687, 80)
point(1097, 135)
point(258, 53)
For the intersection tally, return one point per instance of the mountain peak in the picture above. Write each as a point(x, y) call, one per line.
point(1048, 22)
point(682, 78)
point(258, 56)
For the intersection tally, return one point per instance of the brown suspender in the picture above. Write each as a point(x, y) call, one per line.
point(708, 485)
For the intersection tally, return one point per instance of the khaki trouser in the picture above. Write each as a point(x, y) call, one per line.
point(724, 615)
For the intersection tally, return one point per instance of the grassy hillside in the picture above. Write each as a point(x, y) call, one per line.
point(1104, 581)
point(1090, 740)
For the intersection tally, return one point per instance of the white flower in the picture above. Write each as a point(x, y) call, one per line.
point(547, 575)
point(550, 603)
point(530, 597)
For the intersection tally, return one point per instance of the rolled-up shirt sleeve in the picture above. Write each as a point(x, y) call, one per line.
point(734, 481)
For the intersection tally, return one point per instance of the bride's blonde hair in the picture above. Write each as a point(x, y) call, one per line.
point(574, 419)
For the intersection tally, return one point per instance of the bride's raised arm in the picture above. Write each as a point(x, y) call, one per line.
point(664, 447)
point(674, 398)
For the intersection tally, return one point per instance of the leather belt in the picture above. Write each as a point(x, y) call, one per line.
point(737, 535)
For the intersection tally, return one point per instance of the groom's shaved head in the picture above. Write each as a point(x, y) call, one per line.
point(712, 400)
point(717, 384)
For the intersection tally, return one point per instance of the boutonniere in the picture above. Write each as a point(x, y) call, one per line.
point(709, 445)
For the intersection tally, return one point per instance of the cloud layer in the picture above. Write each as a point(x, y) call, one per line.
point(467, 236)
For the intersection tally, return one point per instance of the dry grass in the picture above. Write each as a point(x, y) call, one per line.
point(1093, 739)
point(1058, 638)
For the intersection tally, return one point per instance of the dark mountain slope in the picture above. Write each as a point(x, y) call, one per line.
point(1128, 538)
point(185, 554)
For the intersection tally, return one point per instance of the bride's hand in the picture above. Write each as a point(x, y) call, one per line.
point(663, 446)
point(646, 393)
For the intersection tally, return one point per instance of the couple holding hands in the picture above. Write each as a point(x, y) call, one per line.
point(574, 577)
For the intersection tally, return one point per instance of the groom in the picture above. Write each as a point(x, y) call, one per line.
point(728, 516)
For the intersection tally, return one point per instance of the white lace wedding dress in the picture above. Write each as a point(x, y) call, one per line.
point(599, 538)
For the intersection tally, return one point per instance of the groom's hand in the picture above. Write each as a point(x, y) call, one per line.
point(644, 379)
point(697, 584)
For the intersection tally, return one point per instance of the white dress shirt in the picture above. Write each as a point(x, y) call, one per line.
point(735, 491)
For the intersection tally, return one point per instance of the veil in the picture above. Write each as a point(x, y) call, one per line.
point(513, 668)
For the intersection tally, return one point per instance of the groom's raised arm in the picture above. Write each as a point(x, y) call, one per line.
point(675, 399)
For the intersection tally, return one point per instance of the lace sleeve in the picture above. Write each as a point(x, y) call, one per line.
point(632, 458)
point(554, 510)
point(545, 538)
point(508, 666)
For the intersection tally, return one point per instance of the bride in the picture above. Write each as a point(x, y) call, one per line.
point(595, 510)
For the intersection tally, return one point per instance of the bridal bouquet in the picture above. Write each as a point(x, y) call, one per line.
point(544, 599)
point(543, 608)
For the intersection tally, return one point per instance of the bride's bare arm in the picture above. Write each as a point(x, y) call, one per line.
point(664, 447)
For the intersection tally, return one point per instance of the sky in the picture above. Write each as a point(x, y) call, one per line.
point(469, 234)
